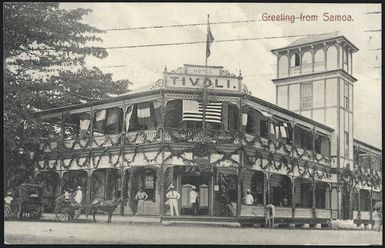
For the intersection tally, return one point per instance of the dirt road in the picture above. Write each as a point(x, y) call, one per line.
point(120, 233)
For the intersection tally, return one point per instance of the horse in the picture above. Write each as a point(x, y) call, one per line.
point(107, 206)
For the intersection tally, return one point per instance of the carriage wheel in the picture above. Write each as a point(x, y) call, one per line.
point(35, 215)
point(61, 211)
point(61, 215)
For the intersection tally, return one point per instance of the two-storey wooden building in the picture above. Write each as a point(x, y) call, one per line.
point(290, 154)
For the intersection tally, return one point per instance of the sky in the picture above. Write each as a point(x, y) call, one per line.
point(143, 66)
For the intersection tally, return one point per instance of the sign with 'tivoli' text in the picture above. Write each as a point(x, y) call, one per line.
point(191, 79)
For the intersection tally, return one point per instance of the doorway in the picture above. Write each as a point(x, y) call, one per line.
point(201, 181)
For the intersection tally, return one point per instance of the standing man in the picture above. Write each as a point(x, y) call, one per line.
point(8, 211)
point(141, 196)
point(248, 199)
point(173, 198)
point(194, 200)
point(78, 195)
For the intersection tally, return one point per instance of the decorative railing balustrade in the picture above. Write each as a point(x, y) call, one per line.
point(289, 157)
point(196, 135)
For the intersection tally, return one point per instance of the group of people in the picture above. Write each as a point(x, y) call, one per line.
point(173, 197)
point(75, 198)
point(172, 200)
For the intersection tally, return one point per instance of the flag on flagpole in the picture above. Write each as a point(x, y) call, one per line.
point(210, 40)
point(193, 111)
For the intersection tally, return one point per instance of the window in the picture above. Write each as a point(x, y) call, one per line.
point(282, 131)
point(346, 144)
point(295, 60)
point(346, 59)
point(108, 121)
point(346, 97)
point(141, 116)
point(306, 96)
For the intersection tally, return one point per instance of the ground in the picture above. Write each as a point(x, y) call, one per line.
point(50, 232)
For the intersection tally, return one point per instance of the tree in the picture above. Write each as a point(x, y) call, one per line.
point(45, 48)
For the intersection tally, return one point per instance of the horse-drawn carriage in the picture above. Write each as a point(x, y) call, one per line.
point(66, 208)
point(26, 203)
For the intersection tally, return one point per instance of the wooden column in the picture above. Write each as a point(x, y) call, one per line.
point(241, 133)
point(211, 194)
point(90, 164)
point(288, 63)
point(371, 187)
point(312, 58)
point(325, 56)
point(330, 199)
point(314, 198)
point(123, 192)
point(268, 187)
point(264, 188)
point(278, 57)
point(239, 182)
point(338, 202)
point(300, 60)
point(293, 198)
point(359, 204)
point(179, 189)
point(106, 179)
point(88, 193)
point(162, 170)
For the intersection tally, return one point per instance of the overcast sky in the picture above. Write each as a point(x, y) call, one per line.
point(258, 65)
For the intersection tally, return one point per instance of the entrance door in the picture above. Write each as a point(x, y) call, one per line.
point(201, 182)
point(345, 204)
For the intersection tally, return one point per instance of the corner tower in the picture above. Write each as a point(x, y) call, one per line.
point(314, 79)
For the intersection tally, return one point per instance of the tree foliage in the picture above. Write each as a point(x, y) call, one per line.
point(45, 50)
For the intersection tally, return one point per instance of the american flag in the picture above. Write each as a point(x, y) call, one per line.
point(193, 111)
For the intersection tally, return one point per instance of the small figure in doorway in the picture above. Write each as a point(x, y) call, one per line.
point(248, 199)
point(194, 200)
point(141, 196)
point(284, 203)
point(173, 197)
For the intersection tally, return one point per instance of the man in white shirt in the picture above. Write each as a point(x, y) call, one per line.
point(173, 197)
point(78, 195)
point(248, 199)
point(194, 200)
point(8, 212)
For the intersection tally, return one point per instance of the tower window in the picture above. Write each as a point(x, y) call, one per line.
point(306, 96)
point(346, 145)
point(346, 97)
point(295, 60)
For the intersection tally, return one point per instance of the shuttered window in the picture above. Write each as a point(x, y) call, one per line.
point(306, 96)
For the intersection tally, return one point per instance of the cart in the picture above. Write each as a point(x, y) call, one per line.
point(67, 209)
point(27, 203)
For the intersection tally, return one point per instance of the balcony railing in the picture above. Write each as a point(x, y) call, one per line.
point(281, 148)
point(284, 212)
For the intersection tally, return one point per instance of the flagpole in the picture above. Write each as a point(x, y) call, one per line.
point(205, 88)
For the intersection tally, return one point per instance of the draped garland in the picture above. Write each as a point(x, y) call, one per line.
point(286, 160)
point(365, 176)
point(360, 174)
point(200, 148)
